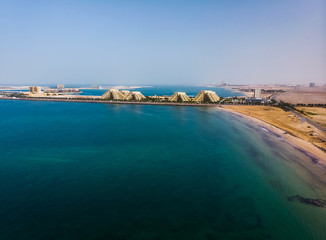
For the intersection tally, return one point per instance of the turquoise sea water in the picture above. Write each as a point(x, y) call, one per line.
point(97, 171)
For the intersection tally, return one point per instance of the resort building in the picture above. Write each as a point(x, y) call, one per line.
point(61, 91)
point(159, 98)
point(179, 97)
point(135, 96)
point(35, 89)
point(206, 96)
point(113, 94)
point(125, 92)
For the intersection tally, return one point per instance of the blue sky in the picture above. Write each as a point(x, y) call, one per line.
point(162, 42)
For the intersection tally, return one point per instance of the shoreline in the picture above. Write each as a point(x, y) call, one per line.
point(317, 156)
point(111, 102)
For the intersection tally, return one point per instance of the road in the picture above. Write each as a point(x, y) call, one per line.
point(302, 117)
point(307, 119)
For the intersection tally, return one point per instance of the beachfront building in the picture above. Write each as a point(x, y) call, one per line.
point(113, 94)
point(179, 97)
point(35, 89)
point(134, 96)
point(125, 93)
point(156, 98)
point(206, 96)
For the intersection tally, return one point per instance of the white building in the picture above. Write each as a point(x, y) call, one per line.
point(257, 93)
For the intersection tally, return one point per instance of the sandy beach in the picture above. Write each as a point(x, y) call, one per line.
point(317, 155)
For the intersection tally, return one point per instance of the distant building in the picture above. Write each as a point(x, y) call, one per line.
point(35, 89)
point(125, 93)
point(60, 86)
point(179, 97)
point(136, 96)
point(312, 84)
point(257, 100)
point(206, 96)
point(64, 90)
point(51, 90)
point(159, 98)
point(253, 100)
point(224, 84)
point(257, 93)
point(113, 94)
point(96, 87)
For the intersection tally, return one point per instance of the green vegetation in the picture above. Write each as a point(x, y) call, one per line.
point(311, 113)
point(19, 95)
point(305, 112)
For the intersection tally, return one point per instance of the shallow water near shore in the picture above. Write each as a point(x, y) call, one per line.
point(97, 171)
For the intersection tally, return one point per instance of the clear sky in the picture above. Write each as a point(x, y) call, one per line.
point(162, 42)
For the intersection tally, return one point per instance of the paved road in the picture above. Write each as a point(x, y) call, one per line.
point(222, 101)
point(307, 119)
point(304, 118)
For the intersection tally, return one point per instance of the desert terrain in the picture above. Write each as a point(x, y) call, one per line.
point(304, 95)
point(317, 114)
point(290, 124)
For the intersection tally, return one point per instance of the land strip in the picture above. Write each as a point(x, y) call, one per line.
point(298, 133)
point(111, 102)
point(303, 95)
point(316, 114)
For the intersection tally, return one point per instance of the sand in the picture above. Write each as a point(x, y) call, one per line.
point(304, 95)
point(309, 148)
point(316, 114)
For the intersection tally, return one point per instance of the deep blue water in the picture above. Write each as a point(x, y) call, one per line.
point(97, 171)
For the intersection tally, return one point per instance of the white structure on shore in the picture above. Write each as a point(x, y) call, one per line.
point(113, 94)
point(206, 96)
point(257, 93)
point(125, 92)
point(35, 89)
point(135, 96)
point(179, 97)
